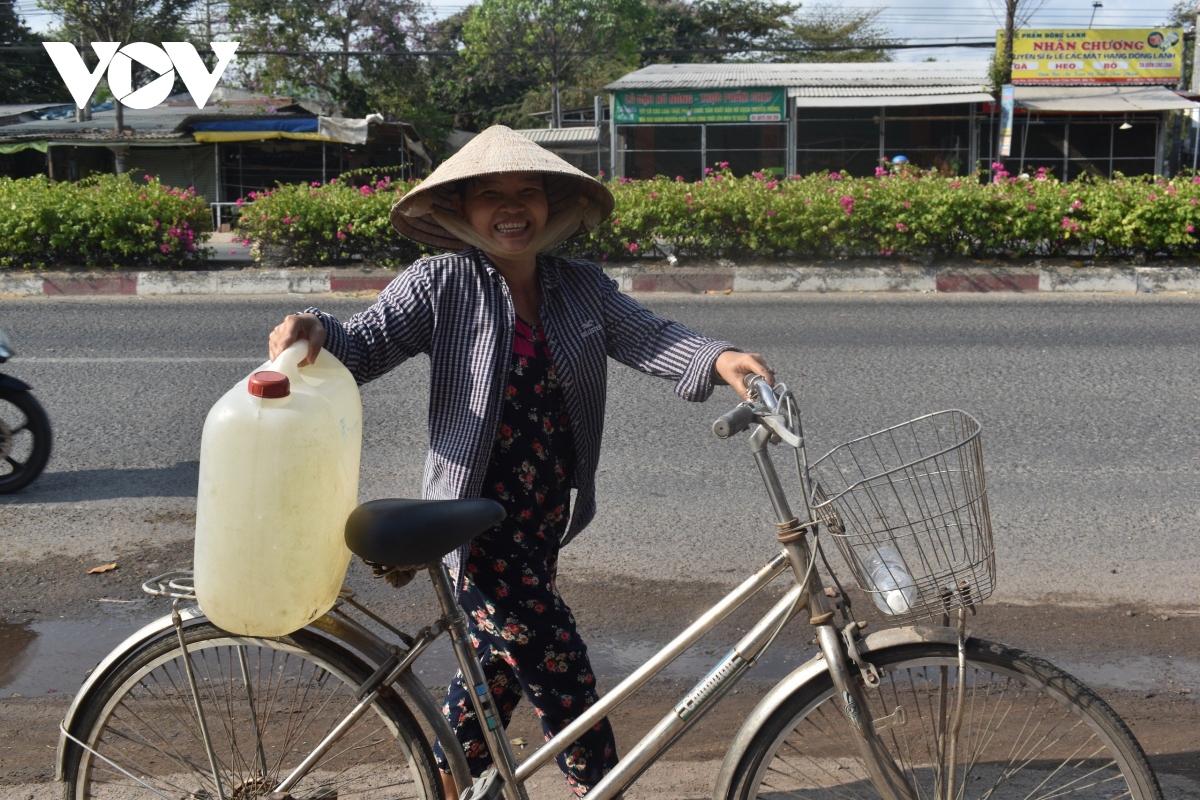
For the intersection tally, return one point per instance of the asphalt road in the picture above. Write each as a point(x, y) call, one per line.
point(1088, 406)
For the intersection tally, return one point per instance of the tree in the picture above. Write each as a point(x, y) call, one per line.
point(387, 83)
point(552, 43)
point(830, 26)
point(25, 77)
point(760, 30)
point(120, 21)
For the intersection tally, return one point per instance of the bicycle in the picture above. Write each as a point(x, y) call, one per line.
point(184, 710)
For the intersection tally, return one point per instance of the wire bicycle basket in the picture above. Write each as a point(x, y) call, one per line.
point(907, 507)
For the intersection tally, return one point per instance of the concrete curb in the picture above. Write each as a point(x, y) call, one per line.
point(767, 278)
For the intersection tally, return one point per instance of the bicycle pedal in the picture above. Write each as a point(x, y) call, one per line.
point(488, 787)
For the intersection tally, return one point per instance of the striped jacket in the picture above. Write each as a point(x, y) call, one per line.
point(457, 310)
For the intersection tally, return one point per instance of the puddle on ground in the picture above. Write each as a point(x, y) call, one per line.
point(40, 658)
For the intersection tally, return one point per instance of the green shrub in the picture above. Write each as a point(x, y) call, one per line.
point(342, 221)
point(912, 213)
point(106, 221)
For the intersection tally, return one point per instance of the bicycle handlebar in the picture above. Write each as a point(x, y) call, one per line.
point(733, 421)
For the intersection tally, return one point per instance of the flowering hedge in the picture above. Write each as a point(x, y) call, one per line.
point(911, 213)
point(106, 221)
point(820, 216)
point(343, 220)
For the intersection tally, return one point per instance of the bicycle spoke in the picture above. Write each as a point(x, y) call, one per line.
point(267, 709)
point(1016, 743)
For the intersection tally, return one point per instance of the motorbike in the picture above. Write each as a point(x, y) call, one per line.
point(24, 429)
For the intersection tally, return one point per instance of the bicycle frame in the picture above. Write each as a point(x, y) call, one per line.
point(807, 593)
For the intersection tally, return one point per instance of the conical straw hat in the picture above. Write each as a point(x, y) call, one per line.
point(497, 150)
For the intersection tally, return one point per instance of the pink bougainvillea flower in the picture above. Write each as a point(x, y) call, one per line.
point(1191, 228)
point(165, 248)
point(900, 226)
point(886, 251)
point(315, 183)
point(835, 176)
point(879, 173)
point(633, 248)
point(147, 178)
point(955, 185)
point(679, 179)
point(1078, 204)
point(653, 195)
point(1153, 196)
point(1031, 207)
point(365, 190)
point(772, 213)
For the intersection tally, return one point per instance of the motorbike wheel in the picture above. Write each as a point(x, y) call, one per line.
point(24, 439)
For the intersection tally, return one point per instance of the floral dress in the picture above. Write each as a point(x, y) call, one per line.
point(523, 632)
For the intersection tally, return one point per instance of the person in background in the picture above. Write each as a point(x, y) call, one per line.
point(518, 342)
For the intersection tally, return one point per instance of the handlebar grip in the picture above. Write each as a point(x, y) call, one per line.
point(733, 421)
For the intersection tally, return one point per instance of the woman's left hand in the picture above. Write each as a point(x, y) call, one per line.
point(732, 368)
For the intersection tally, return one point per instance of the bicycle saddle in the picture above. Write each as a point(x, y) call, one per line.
point(414, 532)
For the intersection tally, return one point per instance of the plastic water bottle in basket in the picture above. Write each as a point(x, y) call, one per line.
point(907, 507)
point(894, 591)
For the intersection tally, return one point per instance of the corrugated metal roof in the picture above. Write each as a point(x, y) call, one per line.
point(154, 122)
point(12, 110)
point(1099, 99)
point(551, 136)
point(713, 76)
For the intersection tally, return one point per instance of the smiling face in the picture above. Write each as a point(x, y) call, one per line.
point(509, 208)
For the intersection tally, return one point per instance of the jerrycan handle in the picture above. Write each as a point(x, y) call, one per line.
point(288, 362)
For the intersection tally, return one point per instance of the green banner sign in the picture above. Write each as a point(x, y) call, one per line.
point(700, 105)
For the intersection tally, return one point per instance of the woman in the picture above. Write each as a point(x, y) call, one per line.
point(518, 343)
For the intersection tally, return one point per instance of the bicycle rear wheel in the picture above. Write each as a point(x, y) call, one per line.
point(266, 704)
point(1028, 731)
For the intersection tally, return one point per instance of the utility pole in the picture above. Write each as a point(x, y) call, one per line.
point(1010, 20)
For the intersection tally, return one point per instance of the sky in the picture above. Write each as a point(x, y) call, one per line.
point(914, 20)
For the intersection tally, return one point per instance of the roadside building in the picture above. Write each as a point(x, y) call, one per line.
point(238, 144)
point(1095, 102)
point(678, 119)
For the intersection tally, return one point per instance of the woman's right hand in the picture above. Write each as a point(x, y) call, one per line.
point(294, 328)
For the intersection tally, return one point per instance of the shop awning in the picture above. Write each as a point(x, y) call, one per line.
point(880, 101)
point(1100, 99)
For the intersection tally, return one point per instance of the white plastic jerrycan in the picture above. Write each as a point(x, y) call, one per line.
point(278, 478)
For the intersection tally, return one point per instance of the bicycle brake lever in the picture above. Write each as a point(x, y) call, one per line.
point(778, 426)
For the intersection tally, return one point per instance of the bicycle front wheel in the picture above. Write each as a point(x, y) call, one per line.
point(266, 704)
point(1028, 730)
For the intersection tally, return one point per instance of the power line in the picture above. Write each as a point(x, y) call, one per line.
point(929, 43)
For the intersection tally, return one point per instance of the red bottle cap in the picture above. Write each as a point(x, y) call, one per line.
point(269, 384)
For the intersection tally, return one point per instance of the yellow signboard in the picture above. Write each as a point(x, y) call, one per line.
point(1138, 55)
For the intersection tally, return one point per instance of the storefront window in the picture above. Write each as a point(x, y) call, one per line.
point(930, 137)
point(1073, 146)
point(685, 150)
point(836, 139)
